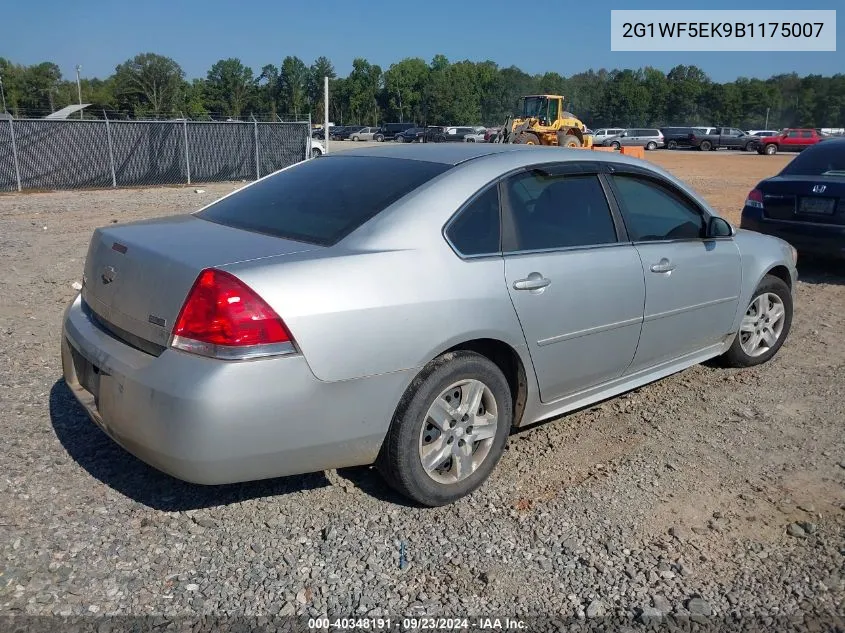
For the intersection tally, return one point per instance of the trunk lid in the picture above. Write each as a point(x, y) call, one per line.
point(138, 275)
point(816, 199)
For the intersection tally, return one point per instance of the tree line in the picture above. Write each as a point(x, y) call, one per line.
point(151, 86)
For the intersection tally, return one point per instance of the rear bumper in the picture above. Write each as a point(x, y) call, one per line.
point(214, 422)
point(825, 240)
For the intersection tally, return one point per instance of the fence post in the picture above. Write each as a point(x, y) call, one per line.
point(257, 164)
point(308, 141)
point(15, 154)
point(111, 151)
point(187, 159)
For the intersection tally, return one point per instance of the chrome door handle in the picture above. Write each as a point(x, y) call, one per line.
point(534, 281)
point(663, 266)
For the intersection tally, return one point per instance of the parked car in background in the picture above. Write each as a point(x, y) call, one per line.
point(453, 134)
point(724, 137)
point(762, 132)
point(388, 131)
point(477, 137)
point(317, 148)
point(364, 134)
point(649, 138)
point(604, 133)
point(345, 132)
point(674, 137)
point(790, 140)
point(805, 203)
point(411, 135)
point(320, 133)
point(295, 334)
point(491, 133)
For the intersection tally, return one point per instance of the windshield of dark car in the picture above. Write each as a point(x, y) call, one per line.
point(825, 158)
point(321, 201)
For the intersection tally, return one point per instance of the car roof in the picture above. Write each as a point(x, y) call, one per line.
point(457, 153)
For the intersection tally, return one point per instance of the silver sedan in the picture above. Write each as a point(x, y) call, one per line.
point(307, 322)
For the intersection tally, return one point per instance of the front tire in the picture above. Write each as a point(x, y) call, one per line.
point(616, 145)
point(765, 325)
point(672, 145)
point(771, 149)
point(316, 153)
point(527, 138)
point(705, 146)
point(651, 146)
point(449, 430)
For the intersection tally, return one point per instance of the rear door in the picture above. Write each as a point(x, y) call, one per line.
point(575, 281)
point(692, 283)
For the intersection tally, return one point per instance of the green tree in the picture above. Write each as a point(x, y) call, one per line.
point(320, 69)
point(294, 80)
point(149, 85)
point(230, 87)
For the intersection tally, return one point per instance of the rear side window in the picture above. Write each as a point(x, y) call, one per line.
point(558, 212)
point(475, 230)
point(825, 158)
point(321, 201)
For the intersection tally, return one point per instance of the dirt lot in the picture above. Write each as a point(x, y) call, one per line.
point(675, 498)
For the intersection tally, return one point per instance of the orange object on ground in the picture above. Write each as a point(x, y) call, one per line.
point(636, 152)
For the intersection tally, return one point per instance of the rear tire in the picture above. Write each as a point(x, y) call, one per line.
point(768, 317)
point(432, 423)
point(616, 145)
point(316, 153)
point(567, 140)
point(378, 138)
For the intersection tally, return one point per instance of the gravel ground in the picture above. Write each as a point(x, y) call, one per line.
point(714, 493)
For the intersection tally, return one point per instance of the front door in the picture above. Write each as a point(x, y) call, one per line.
point(692, 283)
point(577, 289)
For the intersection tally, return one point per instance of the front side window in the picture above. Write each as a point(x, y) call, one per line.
point(550, 212)
point(475, 230)
point(653, 212)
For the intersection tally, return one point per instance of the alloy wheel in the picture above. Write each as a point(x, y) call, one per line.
point(458, 431)
point(762, 325)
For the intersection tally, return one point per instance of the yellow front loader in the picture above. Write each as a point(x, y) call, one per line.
point(544, 122)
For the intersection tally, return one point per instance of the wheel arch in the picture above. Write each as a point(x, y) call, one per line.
point(781, 272)
point(508, 360)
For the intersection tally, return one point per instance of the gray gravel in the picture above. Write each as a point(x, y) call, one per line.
point(711, 494)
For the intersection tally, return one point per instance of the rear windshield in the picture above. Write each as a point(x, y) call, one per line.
point(321, 201)
point(825, 158)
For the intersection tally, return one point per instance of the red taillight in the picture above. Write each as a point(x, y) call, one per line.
point(754, 199)
point(224, 318)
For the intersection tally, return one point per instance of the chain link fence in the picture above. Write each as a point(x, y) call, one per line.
point(80, 154)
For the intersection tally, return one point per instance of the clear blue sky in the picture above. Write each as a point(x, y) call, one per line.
point(100, 34)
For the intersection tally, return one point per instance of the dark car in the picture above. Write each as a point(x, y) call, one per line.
point(726, 137)
point(388, 131)
point(452, 134)
point(805, 203)
point(411, 135)
point(344, 132)
point(675, 137)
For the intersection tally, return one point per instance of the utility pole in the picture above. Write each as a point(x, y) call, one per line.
point(2, 93)
point(79, 89)
point(767, 119)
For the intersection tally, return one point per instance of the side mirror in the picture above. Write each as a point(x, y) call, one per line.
point(719, 227)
